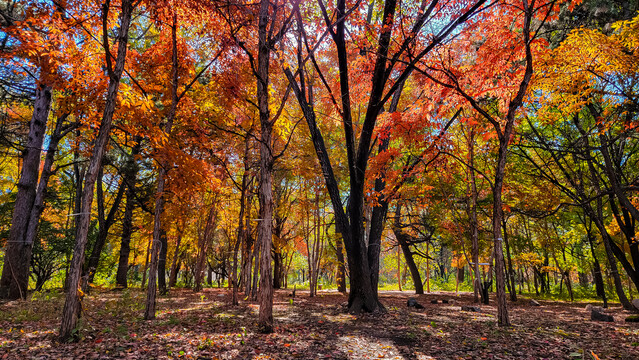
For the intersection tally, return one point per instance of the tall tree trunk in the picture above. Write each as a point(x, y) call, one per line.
point(265, 193)
point(149, 311)
point(71, 310)
point(78, 175)
point(474, 225)
point(17, 258)
point(502, 310)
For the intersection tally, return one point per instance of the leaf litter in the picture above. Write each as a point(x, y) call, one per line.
point(205, 326)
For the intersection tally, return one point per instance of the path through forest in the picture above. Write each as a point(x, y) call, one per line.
point(204, 326)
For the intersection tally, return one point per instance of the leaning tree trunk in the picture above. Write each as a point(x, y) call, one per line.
point(71, 311)
point(17, 258)
point(47, 170)
point(403, 243)
point(410, 262)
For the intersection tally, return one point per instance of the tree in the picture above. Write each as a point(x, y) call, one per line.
point(499, 94)
point(71, 311)
point(363, 258)
point(591, 106)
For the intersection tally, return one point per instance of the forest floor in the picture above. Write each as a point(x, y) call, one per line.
point(204, 326)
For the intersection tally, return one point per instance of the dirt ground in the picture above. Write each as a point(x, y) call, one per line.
point(204, 326)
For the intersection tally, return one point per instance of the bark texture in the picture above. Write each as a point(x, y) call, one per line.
point(265, 194)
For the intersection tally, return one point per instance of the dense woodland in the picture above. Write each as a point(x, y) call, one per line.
point(462, 145)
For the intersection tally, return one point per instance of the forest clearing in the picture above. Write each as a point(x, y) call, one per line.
point(204, 326)
point(319, 179)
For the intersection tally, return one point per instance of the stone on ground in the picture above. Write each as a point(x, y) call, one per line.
point(596, 315)
point(471, 308)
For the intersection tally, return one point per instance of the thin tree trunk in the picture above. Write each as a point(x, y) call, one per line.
point(130, 174)
point(71, 311)
point(203, 245)
point(103, 231)
point(146, 266)
point(149, 311)
point(256, 270)
point(164, 247)
point(176, 254)
point(511, 272)
point(502, 310)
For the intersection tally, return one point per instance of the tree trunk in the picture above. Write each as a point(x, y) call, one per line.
point(176, 254)
point(130, 174)
point(427, 270)
point(146, 266)
point(17, 258)
point(278, 269)
point(149, 311)
point(256, 269)
point(341, 267)
point(71, 310)
point(162, 289)
point(472, 212)
point(233, 277)
point(265, 194)
point(403, 240)
point(47, 169)
point(502, 310)
point(511, 272)
point(104, 226)
point(203, 244)
point(599, 283)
